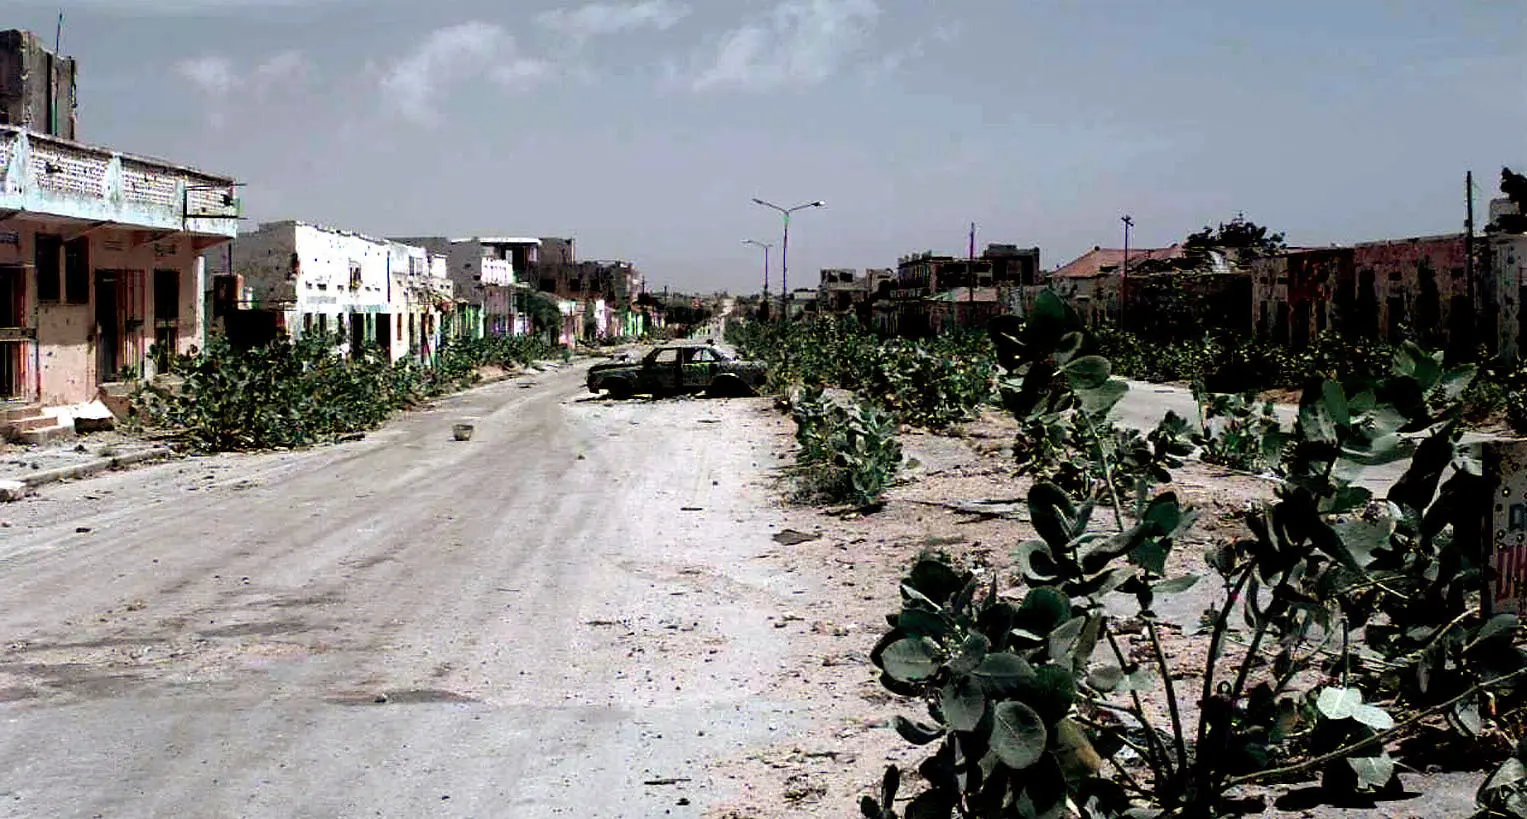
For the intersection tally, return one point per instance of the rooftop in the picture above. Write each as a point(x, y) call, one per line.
point(1101, 260)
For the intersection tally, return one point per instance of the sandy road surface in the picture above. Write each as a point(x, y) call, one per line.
point(562, 615)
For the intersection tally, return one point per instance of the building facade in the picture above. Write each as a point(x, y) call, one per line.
point(1385, 290)
point(303, 278)
point(100, 272)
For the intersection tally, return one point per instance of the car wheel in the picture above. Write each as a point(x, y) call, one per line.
point(618, 388)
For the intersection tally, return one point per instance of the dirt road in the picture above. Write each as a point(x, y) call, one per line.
point(563, 616)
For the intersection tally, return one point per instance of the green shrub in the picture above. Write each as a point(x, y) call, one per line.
point(929, 383)
point(848, 449)
point(296, 393)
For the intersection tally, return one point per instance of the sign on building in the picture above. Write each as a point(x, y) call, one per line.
point(1506, 534)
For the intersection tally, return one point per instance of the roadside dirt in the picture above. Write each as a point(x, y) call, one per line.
point(960, 500)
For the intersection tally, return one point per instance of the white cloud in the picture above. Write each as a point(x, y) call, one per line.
point(597, 19)
point(216, 76)
point(279, 68)
point(451, 55)
point(210, 74)
point(802, 42)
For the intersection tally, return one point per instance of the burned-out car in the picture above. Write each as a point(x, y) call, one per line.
point(677, 368)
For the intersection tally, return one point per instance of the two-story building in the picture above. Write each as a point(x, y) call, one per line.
point(487, 273)
point(312, 278)
point(100, 254)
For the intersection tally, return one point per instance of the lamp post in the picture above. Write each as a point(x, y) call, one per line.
point(784, 251)
point(1129, 222)
point(766, 246)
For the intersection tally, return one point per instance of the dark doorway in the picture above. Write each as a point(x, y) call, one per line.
point(121, 306)
point(108, 326)
point(357, 334)
point(13, 333)
point(384, 334)
point(166, 317)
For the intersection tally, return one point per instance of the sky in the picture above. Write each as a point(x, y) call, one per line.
point(644, 128)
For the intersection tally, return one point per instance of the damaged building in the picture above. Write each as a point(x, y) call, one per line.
point(101, 275)
point(930, 293)
point(1386, 291)
point(296, 278)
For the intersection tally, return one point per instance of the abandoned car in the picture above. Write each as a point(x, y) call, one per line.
point(677, 368)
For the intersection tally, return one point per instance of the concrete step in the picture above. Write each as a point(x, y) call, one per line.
point(28, 424)
point(42, 435)
point(15, 412)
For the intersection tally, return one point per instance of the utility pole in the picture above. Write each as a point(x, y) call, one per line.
point(1129, 222)
point(1468, 238)
point(970, 266)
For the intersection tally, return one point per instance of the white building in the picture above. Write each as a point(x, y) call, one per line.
point(311, 278)
point(421, 298)
point(488, 272)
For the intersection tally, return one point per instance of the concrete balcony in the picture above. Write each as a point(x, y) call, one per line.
point(57, 178)
point(497, 272)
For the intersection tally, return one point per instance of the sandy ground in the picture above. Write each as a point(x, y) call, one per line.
point(565, 616)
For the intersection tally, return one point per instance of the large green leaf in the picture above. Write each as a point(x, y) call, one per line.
point(913, 659)
point(1018, 735)
point(916, 732)
point(936, 580)
point(1098, 401)
point(1315, 418)
point(1347, 703)
point(963, 702)
point(1373, 772)
point(970, 655)
point(1052, 513)
point(1043, 609)
point(1088, 372)
point(1002, 672)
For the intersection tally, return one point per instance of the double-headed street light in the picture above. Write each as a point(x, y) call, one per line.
point(784, 251)
point(765, 245)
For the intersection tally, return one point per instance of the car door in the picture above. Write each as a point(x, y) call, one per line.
point(699, 369)
point(663, 370)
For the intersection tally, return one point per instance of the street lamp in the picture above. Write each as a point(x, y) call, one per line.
point(766, 246)
point(1129, 222)
point(784, 251)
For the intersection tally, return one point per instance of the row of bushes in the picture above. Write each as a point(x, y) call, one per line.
point(929, 383)
point(296, 393)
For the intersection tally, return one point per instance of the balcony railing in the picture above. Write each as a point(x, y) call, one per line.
point(497, 271)
point(47, 175)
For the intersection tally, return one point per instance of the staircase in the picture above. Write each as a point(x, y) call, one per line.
point(26, 424)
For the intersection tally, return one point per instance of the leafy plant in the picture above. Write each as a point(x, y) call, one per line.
point(1062, 400)
point(1345, 622)
point(1239, 432)
point(296, 393)
point(848, 450)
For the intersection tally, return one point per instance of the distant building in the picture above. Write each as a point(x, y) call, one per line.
point(1092, 281)
point(922, 277)
point(298, 278)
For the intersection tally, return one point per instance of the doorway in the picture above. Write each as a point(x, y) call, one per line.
point(357, 335)
point(120, 304)
point(13, 333)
